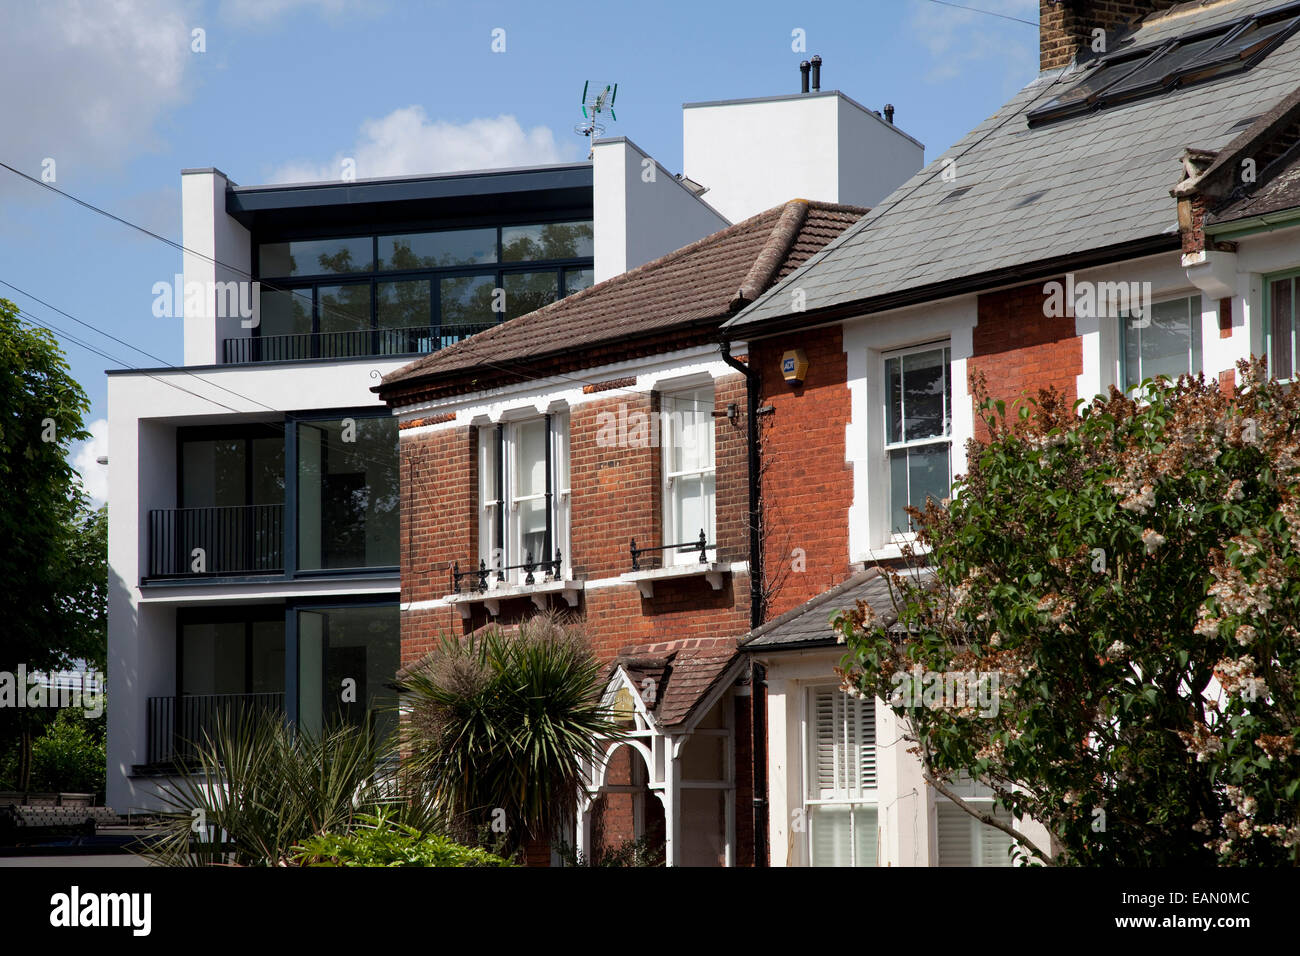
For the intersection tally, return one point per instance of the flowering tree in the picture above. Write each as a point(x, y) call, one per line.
point(1129, 577)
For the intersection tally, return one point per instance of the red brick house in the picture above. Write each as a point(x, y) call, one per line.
point(1130, 213)
point(593, 457)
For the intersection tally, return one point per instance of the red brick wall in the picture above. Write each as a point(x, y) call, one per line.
point(807, 484)
point(1018, 349)
point(616, 494)
point(1066, 26)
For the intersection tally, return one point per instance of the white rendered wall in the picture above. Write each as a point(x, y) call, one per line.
point(144, 411)
point(211, 234)
point(641, 211)
point(755, 154)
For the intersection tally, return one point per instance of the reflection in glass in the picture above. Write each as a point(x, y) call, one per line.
point(232, 657)
point(347, 661)
point(1168, 343)
point(467, 306)
point(347, 493)
point(529, 291)
point(556, 240)
point(403, 305)
point(308, 257)
point(233, 469)
point(344, 320)
point(430, 250)
point(575, 280)
point(284, 312)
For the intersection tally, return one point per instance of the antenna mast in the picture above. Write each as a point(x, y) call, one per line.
point(597, 99)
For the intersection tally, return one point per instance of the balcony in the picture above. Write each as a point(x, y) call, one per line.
point(330, 345)
point(177, 726)
point(195, 542)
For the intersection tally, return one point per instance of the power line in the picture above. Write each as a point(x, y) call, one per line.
point(518, 369)
point(987, 13)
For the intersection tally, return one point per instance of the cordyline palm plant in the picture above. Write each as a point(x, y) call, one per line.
point(498, 728)
point(257, 787)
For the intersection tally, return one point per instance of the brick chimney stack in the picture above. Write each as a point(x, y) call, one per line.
point(1066, 26)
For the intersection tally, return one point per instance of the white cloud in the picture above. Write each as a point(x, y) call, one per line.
point(407, 142)
point(94, 476)
point(256, 12)
point(94, 76)
point(960, 41)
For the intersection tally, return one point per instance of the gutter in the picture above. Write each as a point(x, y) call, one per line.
point(1267, 222)
point(1009, 276)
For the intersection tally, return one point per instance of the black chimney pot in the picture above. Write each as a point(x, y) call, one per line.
point(889, 112)
point(816, 73)
point(803, 79)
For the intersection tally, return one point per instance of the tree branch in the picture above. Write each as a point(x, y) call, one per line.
point(988, 818)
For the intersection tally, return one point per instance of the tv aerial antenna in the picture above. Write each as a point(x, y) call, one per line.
point(597, 100)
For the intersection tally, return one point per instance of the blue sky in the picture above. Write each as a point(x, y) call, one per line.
point(115, 95)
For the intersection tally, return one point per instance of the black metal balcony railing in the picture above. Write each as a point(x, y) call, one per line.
point(241, 539)
point(310, 345)
point(178, 726)
point(700, 544)
point(551, 569)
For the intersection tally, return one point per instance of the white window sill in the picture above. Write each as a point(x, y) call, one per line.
point(711, 571)
point(892, 551)
point(569, 589)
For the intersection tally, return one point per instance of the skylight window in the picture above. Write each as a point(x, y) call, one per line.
point(1129, 75)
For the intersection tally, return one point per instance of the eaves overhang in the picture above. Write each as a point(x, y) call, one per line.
point(542, 191)
point(965, 285)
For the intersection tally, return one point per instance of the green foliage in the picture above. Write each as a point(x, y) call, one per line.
point(53, 577)
point(381, 841)
point(269, 788)
point(501, 726)
point(1132, 575)
point(41, 409)
point(69, 757)
point(635, 852)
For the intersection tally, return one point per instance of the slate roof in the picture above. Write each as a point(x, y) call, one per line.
point(699, 284)
point(809, 623)
point(683, 678)
point(1043, 195)
point(1272, 144)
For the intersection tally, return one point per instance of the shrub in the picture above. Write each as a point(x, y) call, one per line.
point(381, 841)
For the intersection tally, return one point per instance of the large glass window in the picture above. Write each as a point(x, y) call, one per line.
point(467, 306)
point(557, 240)
point(344, 319)
point(347, 664)
point(840, 796)
point(523, 495)
point(918, 429)
point(316, 257)
point(689, 474)
point(464, 289)
point(347, 493)
point(1280, 307)
point(1167, 342)
point(529, 291)
point(232, 657)
point(285, 312)
point(404, 312)
point(429, 250)
point(225, 467)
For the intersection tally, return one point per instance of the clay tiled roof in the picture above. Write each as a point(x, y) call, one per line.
point(697, 286)
point(682, 678)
